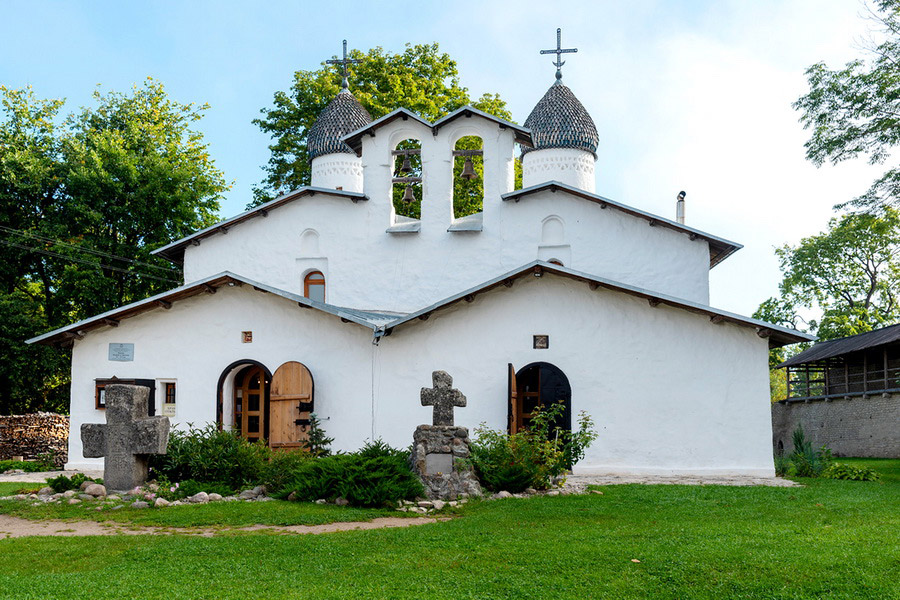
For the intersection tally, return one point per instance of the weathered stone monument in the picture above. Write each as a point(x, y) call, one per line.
point(127, 439)
point(441, 450)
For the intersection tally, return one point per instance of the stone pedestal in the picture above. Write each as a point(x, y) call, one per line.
point(440, 458)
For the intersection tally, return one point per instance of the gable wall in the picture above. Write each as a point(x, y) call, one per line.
point(670, 392)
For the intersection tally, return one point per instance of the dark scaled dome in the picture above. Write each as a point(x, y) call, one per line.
point(560, 121)
point(343, 115)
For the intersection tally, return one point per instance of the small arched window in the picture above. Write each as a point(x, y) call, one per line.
point(314, 286)
point(556, 261)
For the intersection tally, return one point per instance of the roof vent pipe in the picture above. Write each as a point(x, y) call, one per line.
point(679, 208)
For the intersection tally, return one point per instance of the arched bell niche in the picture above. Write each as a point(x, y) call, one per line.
point(468, 176)
point(407, 178)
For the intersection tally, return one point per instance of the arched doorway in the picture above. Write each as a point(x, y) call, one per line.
point(235, 380)
point(535, 385)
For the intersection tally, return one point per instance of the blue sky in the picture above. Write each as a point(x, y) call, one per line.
point(686, 95)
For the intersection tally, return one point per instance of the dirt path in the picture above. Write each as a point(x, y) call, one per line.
point(14, 527)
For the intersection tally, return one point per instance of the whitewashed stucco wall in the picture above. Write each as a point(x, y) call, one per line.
point(194, 341)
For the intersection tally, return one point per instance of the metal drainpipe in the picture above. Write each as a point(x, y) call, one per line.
point(679, 208)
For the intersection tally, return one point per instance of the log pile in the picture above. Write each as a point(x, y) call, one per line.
point(34, 435)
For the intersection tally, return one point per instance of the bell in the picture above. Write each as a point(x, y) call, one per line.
point(468, 171)
point(406, 167)
point(408, 194)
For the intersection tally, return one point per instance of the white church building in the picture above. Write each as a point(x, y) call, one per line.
point(327, 300)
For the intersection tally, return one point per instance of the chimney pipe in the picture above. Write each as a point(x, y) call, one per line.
point(679, 208)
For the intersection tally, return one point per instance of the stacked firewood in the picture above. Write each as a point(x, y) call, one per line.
point(35, 436)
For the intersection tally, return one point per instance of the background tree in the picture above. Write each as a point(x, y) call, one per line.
point(421, 79)
point(81, 206)
point(856, 110)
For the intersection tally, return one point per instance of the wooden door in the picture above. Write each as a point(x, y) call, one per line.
point(513, 399)
point(250, 403)
point(291, 402)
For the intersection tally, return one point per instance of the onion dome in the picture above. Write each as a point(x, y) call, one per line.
point(560, 121)
point(343, 115)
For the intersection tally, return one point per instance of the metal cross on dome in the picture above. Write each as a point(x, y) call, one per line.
point(344, 62)
point(559, 51)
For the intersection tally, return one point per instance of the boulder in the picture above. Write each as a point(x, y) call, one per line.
point(502, 495)
point(74, 501)
point(215, 497)
point(341, 501)
point(84, 484)
point(321, 501)
point(69, 494)
point(140, 504)
point(248, 495)
point(199, 498)
point(438, 504)
point(161, 503)
point(85, 497)
point(45, 491)
point(95, 489)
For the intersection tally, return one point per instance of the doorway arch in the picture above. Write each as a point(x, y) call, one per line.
point(536, 384)
point(226, 380)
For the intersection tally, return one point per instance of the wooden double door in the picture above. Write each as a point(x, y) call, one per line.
point(275, 409)
point(537, 384)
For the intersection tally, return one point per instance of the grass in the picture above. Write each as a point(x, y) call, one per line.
point(830, 539)
point(8, 489)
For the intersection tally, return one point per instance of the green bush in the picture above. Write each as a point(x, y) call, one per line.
point(210, 455)
point(808, 462)
point(378, 475)
point(29, 466)
point(62, 483)
point(280, 468)
point(530, 458)
point(782, 465)
point(850, 472)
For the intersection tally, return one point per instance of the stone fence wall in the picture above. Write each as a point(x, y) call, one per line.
point(856, 426)
point(32, 435)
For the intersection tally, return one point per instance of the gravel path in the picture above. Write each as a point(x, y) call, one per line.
point(43, 476)
point(14, 527)
point(577, 483)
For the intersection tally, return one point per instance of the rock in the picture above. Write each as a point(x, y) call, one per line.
point(20, 497)
point(401, 508)
point(140, 504)
point(598, 492)
point(69, 494)
point(265, 499)
point(45, 491)
point(248, 495)
point(95, 489)
point(176, 503)
point(530, 491)
point(502, 495)
point(259, 490)
point(426, 504)
point(85, 497)
point(214, 497)
point(74, 501)
point(117, 507)
point(56, 496)
point(341, 501)
point(321, 501)
point(84, 484)
point(292, 497)
point(161, 503)
point(36, 503)
point(453, 503)
point(199, 498)
point(463, 500)
point(99, 508)
point(439, 504)
point(114, 497)
point(553, 493)
point(153, 487)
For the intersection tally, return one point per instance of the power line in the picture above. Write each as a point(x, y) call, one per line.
point(86, 262)
point(83, 249)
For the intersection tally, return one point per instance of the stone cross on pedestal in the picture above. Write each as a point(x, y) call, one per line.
point(127, 439)
point(442, 397)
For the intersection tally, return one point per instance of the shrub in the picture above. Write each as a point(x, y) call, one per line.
point(782, 464)
point(29, 466)
point(376, 476)
point(209, 455)
point(850, 472)
point(533, 457)
point(317, 443)
point(281, 467)
point(808, 462)
point(62, 483)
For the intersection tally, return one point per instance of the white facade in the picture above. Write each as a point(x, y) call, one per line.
point(671, 387)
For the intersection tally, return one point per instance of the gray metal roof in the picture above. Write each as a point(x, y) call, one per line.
point(175, 250)
point(343, 115)
point(719, 248)
point(841, 346)
point(369, 319)
point(778, 336)
point(559, 120)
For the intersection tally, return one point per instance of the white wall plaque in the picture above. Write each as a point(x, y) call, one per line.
point(168, 410)
point(121, 352)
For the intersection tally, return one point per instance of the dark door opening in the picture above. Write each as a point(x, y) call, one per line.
point(538, 384)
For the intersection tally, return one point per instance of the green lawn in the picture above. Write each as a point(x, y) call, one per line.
point(831, 539)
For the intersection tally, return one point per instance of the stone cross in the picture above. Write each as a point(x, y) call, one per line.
point(343, 62)
point(559, 51)
point(127, 439)
point(442, 397)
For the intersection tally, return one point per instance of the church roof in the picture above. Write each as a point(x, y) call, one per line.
point(208, 285)
point(559, 120)
point(354, 138)
point(719, 248)
point(175, 251)
point(777, 336)
point(343, 115)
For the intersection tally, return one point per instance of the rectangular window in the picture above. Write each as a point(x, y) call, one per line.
point(170, 392)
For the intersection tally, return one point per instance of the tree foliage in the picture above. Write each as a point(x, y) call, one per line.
point(855, 111)
point(421, 79)
point(83, 200)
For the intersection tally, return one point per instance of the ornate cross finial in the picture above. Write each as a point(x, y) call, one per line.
point(442, 397)
point(344, 62)
point(559, 51)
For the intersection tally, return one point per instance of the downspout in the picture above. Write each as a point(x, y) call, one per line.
point(377, 334)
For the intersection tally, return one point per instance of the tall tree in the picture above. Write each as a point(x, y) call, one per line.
point(421, 79)
point(855, 111)
point(81, 207)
